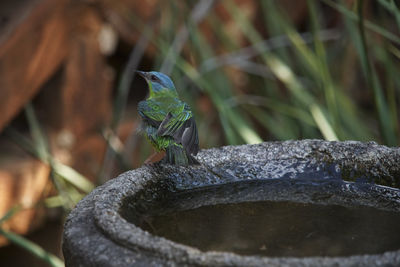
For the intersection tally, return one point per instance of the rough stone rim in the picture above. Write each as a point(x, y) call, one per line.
point(106, 214)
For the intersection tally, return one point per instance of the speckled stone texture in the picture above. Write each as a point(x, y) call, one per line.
point(309, 171)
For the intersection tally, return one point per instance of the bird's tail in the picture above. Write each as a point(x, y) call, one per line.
point(176, 155)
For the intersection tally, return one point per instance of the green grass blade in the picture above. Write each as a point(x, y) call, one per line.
point(387, 128)
point(72, 176)
point(279, 68)
point(277, 107)
point(329, 87)
point(32, 248)
point(368, 24)
point(66, 172)
point(39, 141)
point(10, 213)
point(196, 15)
point(58, 201)
point(323, 124)
point(390, 6)
point(244, 130)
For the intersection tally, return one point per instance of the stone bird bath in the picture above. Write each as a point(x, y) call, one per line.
point(293, 203)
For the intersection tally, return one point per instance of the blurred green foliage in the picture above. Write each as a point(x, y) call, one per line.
point(334, 82)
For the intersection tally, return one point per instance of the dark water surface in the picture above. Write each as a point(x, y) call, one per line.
point(271, 228)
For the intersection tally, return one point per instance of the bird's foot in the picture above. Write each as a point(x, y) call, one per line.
point(155, 157)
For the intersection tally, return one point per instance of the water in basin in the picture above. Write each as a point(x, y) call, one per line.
point(281, 218)
point(271, 228)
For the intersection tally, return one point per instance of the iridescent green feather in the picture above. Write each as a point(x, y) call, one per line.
point(156, 109)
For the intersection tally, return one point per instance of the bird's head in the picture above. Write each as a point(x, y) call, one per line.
point(158, 82)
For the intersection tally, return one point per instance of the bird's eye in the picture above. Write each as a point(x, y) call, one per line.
point(154, 78)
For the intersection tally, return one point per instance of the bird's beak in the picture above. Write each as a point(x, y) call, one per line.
point(142, 73)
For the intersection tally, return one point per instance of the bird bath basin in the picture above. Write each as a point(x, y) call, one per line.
point(267, 228)
point(309, 203)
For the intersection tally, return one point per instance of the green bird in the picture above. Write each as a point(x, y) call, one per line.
point(169, 122)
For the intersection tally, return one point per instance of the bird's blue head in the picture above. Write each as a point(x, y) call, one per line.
point(158, 82)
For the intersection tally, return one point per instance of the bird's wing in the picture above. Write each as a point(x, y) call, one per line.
point(190, 138)
point(182, 127)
